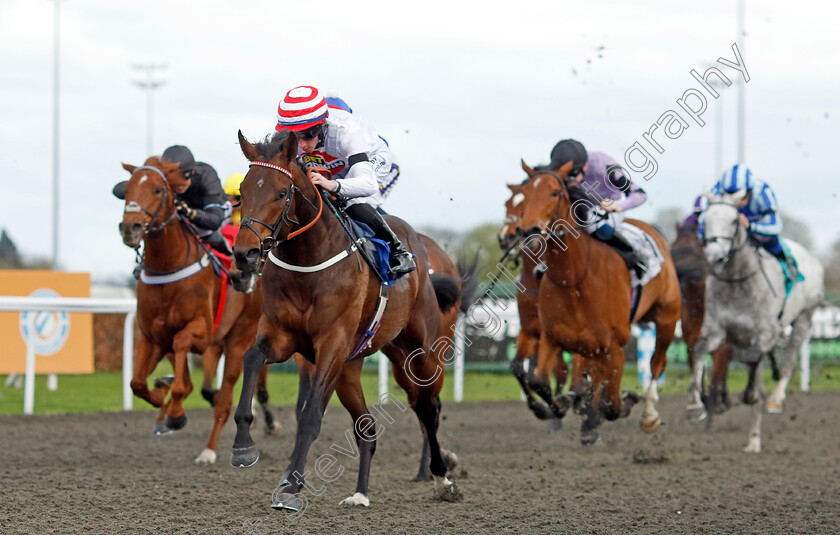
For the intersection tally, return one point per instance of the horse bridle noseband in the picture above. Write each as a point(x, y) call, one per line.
point(270, 242)
point(134, 207)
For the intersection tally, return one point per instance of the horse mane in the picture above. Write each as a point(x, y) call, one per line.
point(272, 144)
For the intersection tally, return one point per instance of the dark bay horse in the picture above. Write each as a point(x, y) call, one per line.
point(585, 302)
point(177, 300)
point(690, 262)
point(528, 339)
point(322, 311)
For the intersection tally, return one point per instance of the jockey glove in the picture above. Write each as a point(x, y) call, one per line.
point(184, 209)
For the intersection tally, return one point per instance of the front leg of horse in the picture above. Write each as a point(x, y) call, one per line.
point(798, 336)
point(540, 382)
point(223, 400)
point(309, 427)
point(183, 342)
point(272, 426)
point(245, 452)
point(146, 358)
point(754, 439)
point(539, 408)
point(696, 409)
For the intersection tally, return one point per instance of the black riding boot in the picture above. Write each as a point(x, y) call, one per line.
point(401, 261)
point(628, 254)
point(793, 270)
point(219, 243)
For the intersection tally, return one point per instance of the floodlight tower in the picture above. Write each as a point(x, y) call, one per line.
point(149, 84)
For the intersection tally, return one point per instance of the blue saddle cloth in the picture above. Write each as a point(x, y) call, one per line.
point(376, 250)
point(789, 280)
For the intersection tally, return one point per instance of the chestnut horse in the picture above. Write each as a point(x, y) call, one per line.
point(528, 339)
point(687, 252)
point(175, 309)
point(585, 303)
point(319, 305)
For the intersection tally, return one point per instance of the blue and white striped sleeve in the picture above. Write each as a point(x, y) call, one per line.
point(769, 222)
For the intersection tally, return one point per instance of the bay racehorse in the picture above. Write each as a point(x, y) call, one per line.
point(689, 259)
point(528, 339)
point(748, 306)
point(585, 303)
point(178, 297)
point(320, 306)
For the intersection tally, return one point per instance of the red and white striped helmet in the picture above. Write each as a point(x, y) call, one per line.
point(303, 107)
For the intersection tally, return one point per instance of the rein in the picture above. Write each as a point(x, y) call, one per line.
point(269, 243)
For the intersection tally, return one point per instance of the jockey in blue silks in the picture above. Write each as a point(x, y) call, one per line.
point(759, 212)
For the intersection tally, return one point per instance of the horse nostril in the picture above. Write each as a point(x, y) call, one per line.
point(136, 228)
point(246, 261)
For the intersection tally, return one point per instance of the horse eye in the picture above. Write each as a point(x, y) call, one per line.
point(157, 191)
point(555, 193)
point(281, 194)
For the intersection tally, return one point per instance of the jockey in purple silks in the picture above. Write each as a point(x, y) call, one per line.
point(700, 205)
point(600, 193)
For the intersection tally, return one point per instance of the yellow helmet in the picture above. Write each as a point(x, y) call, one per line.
point(232, 183)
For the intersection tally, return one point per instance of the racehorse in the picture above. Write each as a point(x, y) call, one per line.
point(748, 306)
point(320, 305)
point(528, 339)
point(178, 296)
point(687, 252)
point(585, 303)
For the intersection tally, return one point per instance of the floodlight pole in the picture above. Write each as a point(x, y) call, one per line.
point(56, 25)
point(149, 85)
point(741, 86)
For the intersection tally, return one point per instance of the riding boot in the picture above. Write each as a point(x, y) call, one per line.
point(218, 242)
point(628, 253)
point(790, 262)
point(401, 260)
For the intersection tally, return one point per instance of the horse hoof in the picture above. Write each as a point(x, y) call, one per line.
point(175, 424)
point(206, 457)
point(289, 502)
point(774, 407)
point(588, 438)
point(446, 491)
point(554, 426)
point(245, 457)
point(355, 500)
point(273, 429)
point(696, 414)
point(422, 477)
point(164, 382)
point(450, 459)
point(209, 395)
point(754, 446)
point(631, 397)
point(650, 427)
point(161, 429)
point(541, 410)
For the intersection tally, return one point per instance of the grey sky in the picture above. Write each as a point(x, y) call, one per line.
point(460, 92)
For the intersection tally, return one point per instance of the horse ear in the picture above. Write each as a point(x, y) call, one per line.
point(527, 169)
point(514, 188)
point(168, 167)
point(247, 147)
point(129, 168)
point(290, 149)
point(566, 169)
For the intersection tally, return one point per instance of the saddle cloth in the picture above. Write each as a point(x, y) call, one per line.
point(646, 247)
point(374, 249)
point(789, 280)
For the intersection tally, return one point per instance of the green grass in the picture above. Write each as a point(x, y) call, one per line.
point(102, 391)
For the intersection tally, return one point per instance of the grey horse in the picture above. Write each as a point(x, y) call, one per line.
point(746, 306)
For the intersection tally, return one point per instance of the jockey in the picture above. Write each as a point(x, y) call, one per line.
point(350, 149)
point(700, 205)
point(198, 196)
point(758, 211)
point(598, 180)
point(232, 190)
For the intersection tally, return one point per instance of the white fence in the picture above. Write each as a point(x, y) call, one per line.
point(73, 304)
point(826, 325)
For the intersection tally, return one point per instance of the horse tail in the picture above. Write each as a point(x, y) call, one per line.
point(447, 291)
point(469, 282)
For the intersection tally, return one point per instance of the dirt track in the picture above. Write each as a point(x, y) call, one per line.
point(106, 473)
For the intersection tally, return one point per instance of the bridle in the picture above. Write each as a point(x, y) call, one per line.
point(273, 240)
point(134, 207)
point(733, 248)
